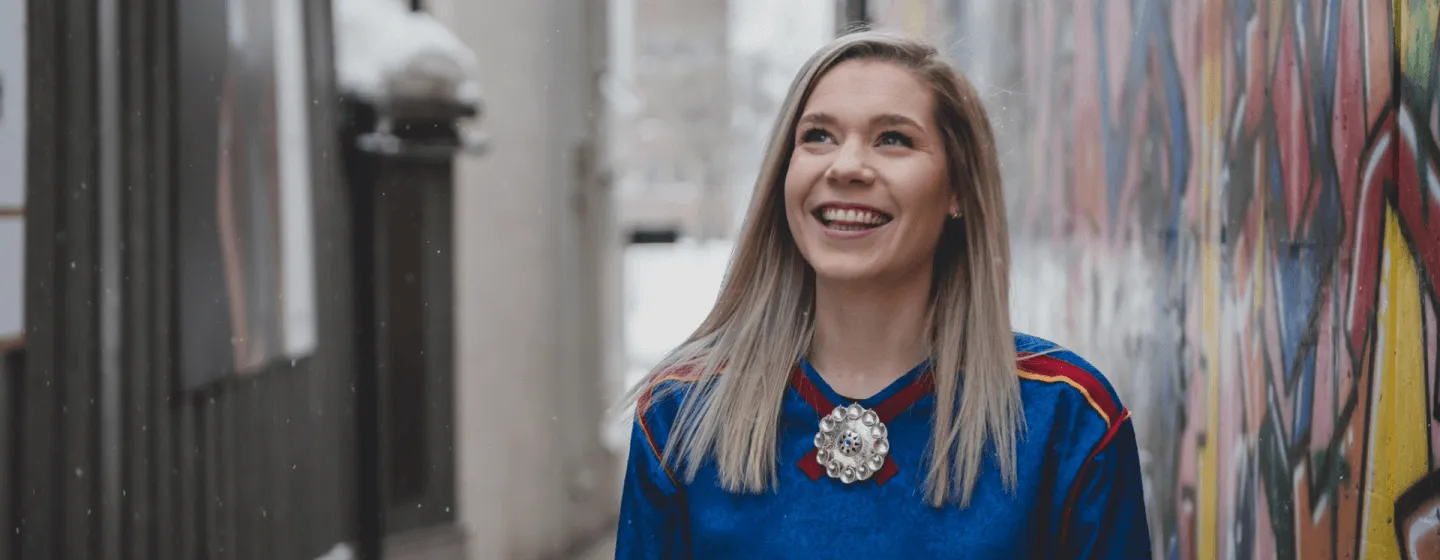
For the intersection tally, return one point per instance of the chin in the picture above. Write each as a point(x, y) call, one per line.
point(846, 268)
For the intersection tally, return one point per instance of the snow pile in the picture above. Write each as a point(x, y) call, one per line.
point(669, 289)
point(339, 552)
point(384, 52)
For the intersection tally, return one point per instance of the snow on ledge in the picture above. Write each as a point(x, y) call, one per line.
point(386, 52)
point(340, 551)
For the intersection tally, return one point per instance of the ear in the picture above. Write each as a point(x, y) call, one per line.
point(954, 207)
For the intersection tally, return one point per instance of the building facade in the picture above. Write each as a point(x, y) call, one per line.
point(236, 340)
point(673, 132)
point(119, 446)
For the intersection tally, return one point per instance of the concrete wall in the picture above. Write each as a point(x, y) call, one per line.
point(1233, 209)
point(535, 284)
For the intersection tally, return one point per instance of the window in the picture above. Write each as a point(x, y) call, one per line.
point(12, 173)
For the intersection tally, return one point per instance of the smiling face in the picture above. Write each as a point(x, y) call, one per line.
point(866, 193)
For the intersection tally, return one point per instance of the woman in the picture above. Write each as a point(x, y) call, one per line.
point(796, 423)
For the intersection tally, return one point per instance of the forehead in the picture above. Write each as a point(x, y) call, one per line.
point(859, 89)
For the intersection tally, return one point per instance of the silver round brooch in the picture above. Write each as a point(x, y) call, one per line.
point(852, 443)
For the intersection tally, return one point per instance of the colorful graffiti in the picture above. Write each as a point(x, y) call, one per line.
point(1245, 200)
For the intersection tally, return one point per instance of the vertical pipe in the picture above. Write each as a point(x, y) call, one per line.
point(39, 428)
point(852, 14)
point(107, 54)
point(79, 347)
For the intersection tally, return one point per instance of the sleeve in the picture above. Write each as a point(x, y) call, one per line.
point(652, 521)
point(1105, 517)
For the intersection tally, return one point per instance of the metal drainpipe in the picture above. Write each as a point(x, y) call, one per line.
point(108, 60)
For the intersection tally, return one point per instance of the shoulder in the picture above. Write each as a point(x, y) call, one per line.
point(665, 390)
point(658, 402)
point(1063, 377)
point(657, 407)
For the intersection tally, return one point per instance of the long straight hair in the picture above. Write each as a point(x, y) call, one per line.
point(762, 320)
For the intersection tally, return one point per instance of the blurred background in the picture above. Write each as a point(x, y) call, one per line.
point(364, 278)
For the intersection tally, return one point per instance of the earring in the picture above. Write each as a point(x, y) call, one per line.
point(955, 215)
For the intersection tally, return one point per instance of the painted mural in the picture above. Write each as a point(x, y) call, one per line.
point(1240, 203)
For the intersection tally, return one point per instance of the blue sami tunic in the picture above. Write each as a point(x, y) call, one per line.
point(1079, 493)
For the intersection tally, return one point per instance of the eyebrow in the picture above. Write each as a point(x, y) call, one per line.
point(887, 119)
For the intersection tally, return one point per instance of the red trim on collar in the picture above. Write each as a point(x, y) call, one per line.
point(887, 410)
point(1056, 369)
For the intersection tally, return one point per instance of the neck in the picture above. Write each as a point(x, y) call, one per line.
point(866, 337)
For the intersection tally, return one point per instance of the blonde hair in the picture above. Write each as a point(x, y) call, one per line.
point(762, 320)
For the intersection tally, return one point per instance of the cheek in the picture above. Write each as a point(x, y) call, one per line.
point(927, 197)
point(928, 206)
point(923, 235)
point(799, 181)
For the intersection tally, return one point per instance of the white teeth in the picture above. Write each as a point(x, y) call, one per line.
point(852, 216)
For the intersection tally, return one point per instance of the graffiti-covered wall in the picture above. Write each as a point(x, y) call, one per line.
point(1234, 208)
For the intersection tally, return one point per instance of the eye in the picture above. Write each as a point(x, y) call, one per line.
point(813, 135)
point(893, 138)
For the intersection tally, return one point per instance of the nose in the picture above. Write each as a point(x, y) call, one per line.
point(850, 166)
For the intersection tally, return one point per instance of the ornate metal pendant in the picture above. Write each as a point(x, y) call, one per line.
point(852, 443)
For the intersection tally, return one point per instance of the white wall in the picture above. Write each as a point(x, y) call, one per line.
point(534, 261)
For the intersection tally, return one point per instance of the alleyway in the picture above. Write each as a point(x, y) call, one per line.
point(277, 275)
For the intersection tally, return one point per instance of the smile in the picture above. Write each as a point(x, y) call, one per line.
point(850, 218)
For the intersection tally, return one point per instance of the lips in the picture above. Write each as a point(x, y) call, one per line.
point(847, 217)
